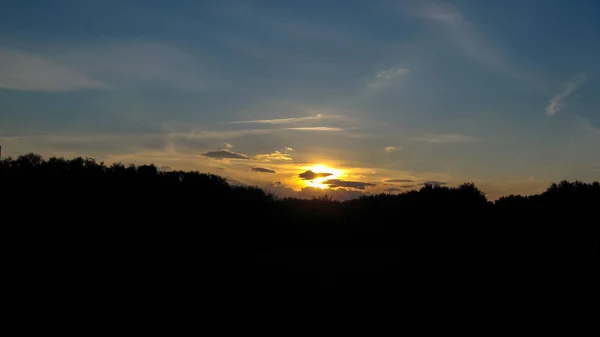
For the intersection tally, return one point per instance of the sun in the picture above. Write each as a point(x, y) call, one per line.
point(320, 168)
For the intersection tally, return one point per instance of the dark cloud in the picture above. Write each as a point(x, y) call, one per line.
point(262, 169)
point(408, 186)
point(310, 175)
point(339, 194)
point(224, 155)
point(399, 181)
point(434, 182)
point(333, 183)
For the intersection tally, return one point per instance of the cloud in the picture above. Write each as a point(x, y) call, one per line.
point(171, 133)
point(333, 183)
point(556, 104)
point(399, 181)
point(387, 77)
point(138, 65)
point(29, 72)
point(440, 12)
point(263, 170)
point(408, 186)
point(463, 35)
point(224, 155)
point(285, 120)
point(391, 149)
point(445, 138)
point(275, 156)
point(587, 126)
point(316, 128)
point(229, 146)
point(185, 131)
point(310, 175)
point(339, 194)
point(434, 182)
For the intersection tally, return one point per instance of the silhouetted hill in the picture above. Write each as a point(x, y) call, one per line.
point(143, 227)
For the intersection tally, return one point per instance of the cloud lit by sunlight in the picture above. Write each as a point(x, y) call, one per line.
point(319, 182)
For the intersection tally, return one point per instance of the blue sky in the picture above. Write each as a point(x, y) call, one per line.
point(502, 93)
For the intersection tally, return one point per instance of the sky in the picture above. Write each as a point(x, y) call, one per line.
point(305, 98)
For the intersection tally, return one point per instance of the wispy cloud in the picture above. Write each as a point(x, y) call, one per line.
point(390, 149)
point(438, 11)
point(333, 183)
point(170, 133)
point(445, 138)
point(399, 181)
point(139, 65)
point(463, 35)
point(262, 170)
point(317, 128)
point(587, 126)
point(286, 120)
point(224, 155)
point(386, 77)
point(556, 104)
point(274, 156)
point(203, 132)
point(29, 72)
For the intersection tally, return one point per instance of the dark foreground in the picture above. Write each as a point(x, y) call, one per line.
point(78, 226)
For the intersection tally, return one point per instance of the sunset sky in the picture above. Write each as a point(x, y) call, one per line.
point(310, 97)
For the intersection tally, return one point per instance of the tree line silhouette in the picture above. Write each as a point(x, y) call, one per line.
point(81, 216)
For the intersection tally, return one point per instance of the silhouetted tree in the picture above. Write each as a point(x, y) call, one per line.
point(142, 217)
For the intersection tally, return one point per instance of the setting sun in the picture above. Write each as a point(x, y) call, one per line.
point(319, 181)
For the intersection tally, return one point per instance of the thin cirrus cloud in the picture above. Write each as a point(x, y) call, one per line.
point(29, 72)
point(587, 126)
point(463, 35)
point(333, 183)
point(224, 155)
point(262, 170)
point(445, 138)
point(399, 181)
point(440, 12)
point(286, 120)
point(125, 65)
point(317, 128)
point(556, 104)
point(173, 135)
point(273, 156)
point(386, 77)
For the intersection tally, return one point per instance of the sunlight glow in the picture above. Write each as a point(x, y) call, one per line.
point(320, 168)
